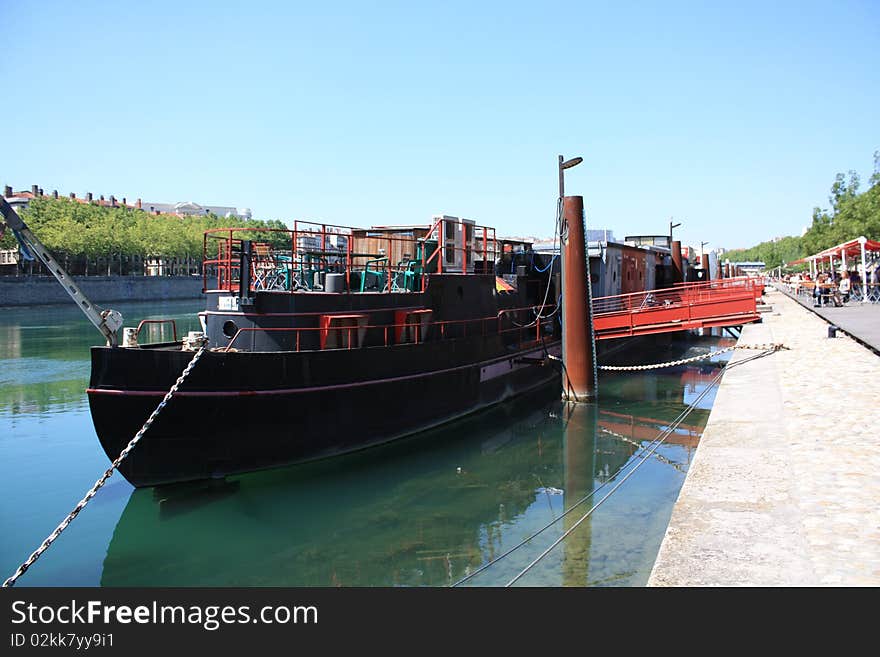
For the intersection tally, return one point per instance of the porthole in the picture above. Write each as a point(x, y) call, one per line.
point(229, 329)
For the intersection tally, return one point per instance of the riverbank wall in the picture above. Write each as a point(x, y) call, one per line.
point(45, 290)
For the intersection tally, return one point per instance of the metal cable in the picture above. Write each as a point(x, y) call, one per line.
point(646, 455)
point(652, 446)
point(103, 479)
point(672, 427)
point(556, 235)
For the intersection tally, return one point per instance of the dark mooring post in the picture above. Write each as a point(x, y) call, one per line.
point(677, 271)
point(244, 277)
point(578, 339)
point(704, 262)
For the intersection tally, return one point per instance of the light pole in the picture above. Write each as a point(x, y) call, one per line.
point(563, 165)
point(578, 335)
point(704, 261)
point(671, 226)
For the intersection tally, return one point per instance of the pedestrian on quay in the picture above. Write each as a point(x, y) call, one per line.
point(821, 282)
point(841, 294)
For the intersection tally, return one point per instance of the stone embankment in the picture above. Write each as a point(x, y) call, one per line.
point(30, 291)
point(785, 484)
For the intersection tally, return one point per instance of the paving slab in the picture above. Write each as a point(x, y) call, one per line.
point(785, 484)
point(860, 320)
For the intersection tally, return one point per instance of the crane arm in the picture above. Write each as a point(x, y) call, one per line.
point(108, 322)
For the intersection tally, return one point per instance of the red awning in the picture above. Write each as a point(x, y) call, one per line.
point(851, 248)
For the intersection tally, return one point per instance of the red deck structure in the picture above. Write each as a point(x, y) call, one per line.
point(727, 302)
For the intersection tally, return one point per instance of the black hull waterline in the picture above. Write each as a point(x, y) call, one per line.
point(240, 412)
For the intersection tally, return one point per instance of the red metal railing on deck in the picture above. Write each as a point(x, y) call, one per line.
point(479, 326)
point(726, 302)
point(309, 242)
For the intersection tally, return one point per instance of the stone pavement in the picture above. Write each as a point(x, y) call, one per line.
point(785, 486)
point(861, 321)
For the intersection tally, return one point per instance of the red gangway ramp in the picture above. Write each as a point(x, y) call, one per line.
point(726, 302)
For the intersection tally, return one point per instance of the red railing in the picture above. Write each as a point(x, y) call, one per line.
point(688, 305)
point(389, 330)
point(306, 246)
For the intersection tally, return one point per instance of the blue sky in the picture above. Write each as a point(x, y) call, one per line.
point(733, 118)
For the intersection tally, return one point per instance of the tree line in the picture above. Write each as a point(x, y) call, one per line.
point(92, 239)
point(850, 215)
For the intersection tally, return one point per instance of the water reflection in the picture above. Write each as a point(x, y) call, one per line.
point(426, 511)
point(44, 352)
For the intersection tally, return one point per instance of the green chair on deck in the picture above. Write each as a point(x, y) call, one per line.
point(404, 279)
point(378, 274)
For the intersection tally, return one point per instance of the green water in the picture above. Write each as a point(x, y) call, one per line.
point(424, 511)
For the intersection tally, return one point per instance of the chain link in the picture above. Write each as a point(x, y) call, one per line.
point(694, 359)
point(94, 489)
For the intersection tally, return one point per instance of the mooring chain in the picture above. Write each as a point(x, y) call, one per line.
point(94, 489)
point(693, 359)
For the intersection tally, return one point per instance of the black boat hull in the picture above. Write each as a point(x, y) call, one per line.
point(240, 412)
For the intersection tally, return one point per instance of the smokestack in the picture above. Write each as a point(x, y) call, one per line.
point(7, 191)
point(124, 201)
point(112, 201)
point(54, 193)
point(73, 195)
point(89, 197)
point(138, 204)
point(35, 190)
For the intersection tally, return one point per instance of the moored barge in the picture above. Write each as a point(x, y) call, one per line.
point(323, 340)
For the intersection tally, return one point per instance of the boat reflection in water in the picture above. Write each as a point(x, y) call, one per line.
point(431, 510)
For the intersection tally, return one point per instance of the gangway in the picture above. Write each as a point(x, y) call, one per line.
point(710, 304)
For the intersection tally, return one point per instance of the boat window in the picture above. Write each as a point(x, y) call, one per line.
point(229, 329)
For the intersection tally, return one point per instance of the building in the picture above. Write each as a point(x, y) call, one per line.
point(635, 265)
point(648, 240)
point(750, 267)
point(192, 209)
point(19, 200)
